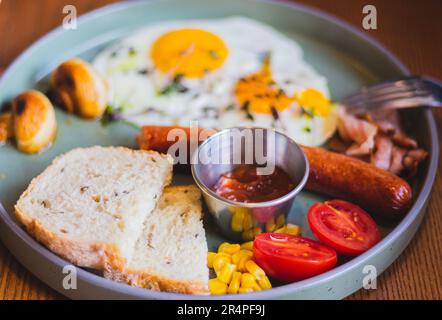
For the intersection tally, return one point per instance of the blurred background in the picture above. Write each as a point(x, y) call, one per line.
point(411, 29)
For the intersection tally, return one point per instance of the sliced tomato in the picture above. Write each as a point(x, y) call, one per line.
point(343, 226)
point(292, 258)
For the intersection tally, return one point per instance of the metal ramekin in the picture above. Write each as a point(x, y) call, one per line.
point(240, 221)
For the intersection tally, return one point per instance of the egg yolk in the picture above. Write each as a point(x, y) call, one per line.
point(191, 53)
point(260, 93)
point(314, 101)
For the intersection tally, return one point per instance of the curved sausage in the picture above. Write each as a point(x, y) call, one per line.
point(333, 174)
point(340, 176)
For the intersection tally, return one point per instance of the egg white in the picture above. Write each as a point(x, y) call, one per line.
point(134, 82)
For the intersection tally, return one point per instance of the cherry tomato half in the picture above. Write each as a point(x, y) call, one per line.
point(343, 226)
point(292, 258)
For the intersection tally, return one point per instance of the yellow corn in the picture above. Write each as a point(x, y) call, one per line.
point(248, 235)
point(292, 229)
point(217, 287)
point(256, 287)
point(270, 225)
point(226, 273)
point(235, 283)
point(280, 221)
point(245, 290)
point(237, 256)
point(280, 230)
point(248, 222)
point(246, 252)
point(242, 263)
point(220, 260)
point(238, 220)
point(264, 283)
point(228, 248)
point(254, 269)
point(247, 280)
point(210, 257)
point(247, 246)
point(235, 269)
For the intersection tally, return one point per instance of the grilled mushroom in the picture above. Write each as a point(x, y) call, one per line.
point(78, 88)
point(6, 129)
point(34, 121)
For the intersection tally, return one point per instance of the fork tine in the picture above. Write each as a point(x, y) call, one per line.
point(387, 99)
point(404, 93)
point(372, 92)
point(398, 83)
point(406, 102)
point(385, 96)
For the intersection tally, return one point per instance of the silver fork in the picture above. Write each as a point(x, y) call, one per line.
point(407, 92)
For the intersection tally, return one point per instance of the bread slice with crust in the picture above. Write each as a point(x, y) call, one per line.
point(89, 205)
point(171, 253)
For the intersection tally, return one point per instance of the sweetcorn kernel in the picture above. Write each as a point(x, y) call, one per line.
point(229, 248)
point(255, 270)
point(280, 230)
point(270, 225)
point(237, 256)
point(247, 246)
point(220, 261)
point(264, 283)
point(246, 252)
point(248, 222)
point(238, 221)
point(225, 275)
point(245, 290)
point(280, 221)
point(235, 283)
point(292, 229)
point(217, 287)
point(247, 280)
point(248, 235)
point(242, 263)
point(256, 287)
point(210, 257)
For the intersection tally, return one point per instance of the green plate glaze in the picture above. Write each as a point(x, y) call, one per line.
point(346, 57)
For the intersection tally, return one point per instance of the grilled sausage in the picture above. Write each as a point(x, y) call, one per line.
point(333, 174)
point(340, 176)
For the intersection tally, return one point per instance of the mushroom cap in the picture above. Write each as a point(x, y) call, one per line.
point(78, 88)
point(6, 127)
point(34, 121)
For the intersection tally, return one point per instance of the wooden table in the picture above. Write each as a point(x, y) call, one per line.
point(411, 29)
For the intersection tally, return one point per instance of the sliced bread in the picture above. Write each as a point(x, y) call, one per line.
point(171, 253)
point(89, 205)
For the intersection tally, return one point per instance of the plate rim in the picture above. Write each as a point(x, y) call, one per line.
point(284, 290)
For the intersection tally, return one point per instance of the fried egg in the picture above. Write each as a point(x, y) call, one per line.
point(222, 73)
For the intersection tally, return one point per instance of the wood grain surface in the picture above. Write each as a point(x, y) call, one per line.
point(410, 29)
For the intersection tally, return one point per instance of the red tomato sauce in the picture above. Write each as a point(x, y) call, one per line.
point(243, 184)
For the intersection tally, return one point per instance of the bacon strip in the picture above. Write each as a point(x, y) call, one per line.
point(381, 139)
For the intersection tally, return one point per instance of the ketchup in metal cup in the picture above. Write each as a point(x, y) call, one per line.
point(243, 184)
